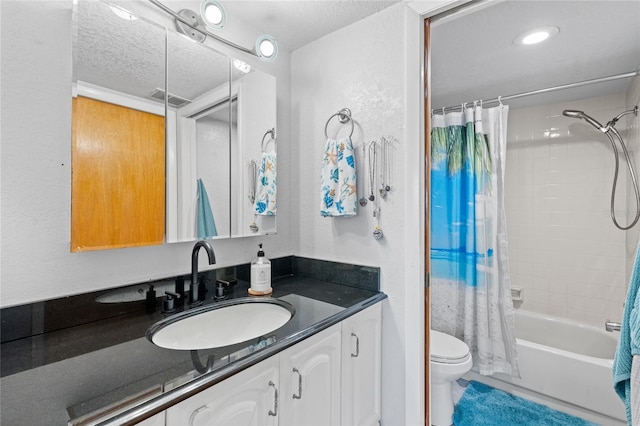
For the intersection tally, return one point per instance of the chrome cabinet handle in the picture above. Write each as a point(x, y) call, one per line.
point(275, 400)
point(299, 395)
point(357, 346)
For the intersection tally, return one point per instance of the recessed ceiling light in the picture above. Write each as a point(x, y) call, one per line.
point(536, 35)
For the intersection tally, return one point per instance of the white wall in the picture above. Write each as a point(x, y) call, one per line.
point(563, 247)
point(363, 67)
point(36, 176)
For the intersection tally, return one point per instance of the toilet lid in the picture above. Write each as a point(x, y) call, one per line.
point(447, 349)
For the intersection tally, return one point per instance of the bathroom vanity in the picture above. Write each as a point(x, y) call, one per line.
point(332, 378)
point(322, 366)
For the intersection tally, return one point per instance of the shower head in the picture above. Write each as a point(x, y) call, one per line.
point(580, 114)
point(572, 113)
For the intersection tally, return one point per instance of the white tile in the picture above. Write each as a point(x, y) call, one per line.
point(566, 249)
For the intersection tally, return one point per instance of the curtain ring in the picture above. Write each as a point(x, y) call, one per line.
point(475, 104)
point(500, 100)
point(443, 111)
point(480, 103)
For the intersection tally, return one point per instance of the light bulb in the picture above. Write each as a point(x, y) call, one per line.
point(534, 38)
point(536, 35)
point(213, 14)
point(266, 47)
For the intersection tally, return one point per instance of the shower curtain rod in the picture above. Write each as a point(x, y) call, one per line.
point(547, 90)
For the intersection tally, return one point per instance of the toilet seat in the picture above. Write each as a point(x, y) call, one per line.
point(447, 349)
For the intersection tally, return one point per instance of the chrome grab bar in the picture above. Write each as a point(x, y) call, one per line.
point(612, 326)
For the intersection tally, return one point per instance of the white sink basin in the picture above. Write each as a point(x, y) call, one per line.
point(220, 324)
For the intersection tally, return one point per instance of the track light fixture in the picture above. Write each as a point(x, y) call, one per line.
point(212, 15)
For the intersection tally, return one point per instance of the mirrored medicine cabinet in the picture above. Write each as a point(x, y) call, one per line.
point(136, 161)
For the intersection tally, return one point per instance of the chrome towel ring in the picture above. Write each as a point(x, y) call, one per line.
point(271, 132)
point(343, 115)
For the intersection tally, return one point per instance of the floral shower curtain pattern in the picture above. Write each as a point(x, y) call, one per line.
point(470, 286)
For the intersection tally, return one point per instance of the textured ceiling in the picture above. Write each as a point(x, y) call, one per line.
point(297, 23)
point(473, 56)
point(128, 56)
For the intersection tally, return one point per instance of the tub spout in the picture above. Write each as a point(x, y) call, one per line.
point(612, 326)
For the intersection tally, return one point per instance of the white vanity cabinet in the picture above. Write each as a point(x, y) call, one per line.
point(249, 398)
point(310, 380)
point(331, 378)
point(361, 364)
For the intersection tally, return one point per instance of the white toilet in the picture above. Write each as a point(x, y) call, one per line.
point(450, 360)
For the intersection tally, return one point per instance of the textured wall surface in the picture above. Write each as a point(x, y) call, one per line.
point(362, 67)
point(564, 249)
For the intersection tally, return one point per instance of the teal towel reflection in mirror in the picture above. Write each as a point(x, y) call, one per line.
point(206, 224)
point(265, 203)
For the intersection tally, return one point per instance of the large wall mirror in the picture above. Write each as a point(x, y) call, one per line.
point(145, 172)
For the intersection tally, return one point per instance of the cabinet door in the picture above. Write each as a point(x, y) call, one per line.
point(249, 398)
point(310, 379)
point(361, 355)
point(117, 178)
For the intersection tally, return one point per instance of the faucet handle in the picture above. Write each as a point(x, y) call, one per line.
point(169, 304)
point(220, 285)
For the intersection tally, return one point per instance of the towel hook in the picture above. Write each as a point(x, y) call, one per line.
point(343, 115)
point(272, 132)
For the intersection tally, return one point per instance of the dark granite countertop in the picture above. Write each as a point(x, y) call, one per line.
point(118, 334)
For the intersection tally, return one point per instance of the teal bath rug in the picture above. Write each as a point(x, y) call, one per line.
point(482, 405)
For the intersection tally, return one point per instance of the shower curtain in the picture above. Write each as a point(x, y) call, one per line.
point(469, 286)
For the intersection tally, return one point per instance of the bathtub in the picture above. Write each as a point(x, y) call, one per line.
point(565, 365)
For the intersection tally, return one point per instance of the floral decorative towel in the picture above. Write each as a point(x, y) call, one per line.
point(338, 179)
point(265, 203)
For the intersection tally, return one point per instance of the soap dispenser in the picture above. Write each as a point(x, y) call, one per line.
point(260, 274)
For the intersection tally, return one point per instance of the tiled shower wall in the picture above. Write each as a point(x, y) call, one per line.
point(633, 128)
point(564, 250)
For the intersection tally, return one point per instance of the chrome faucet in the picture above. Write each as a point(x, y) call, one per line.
point(193, 287)
point(612, 326)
